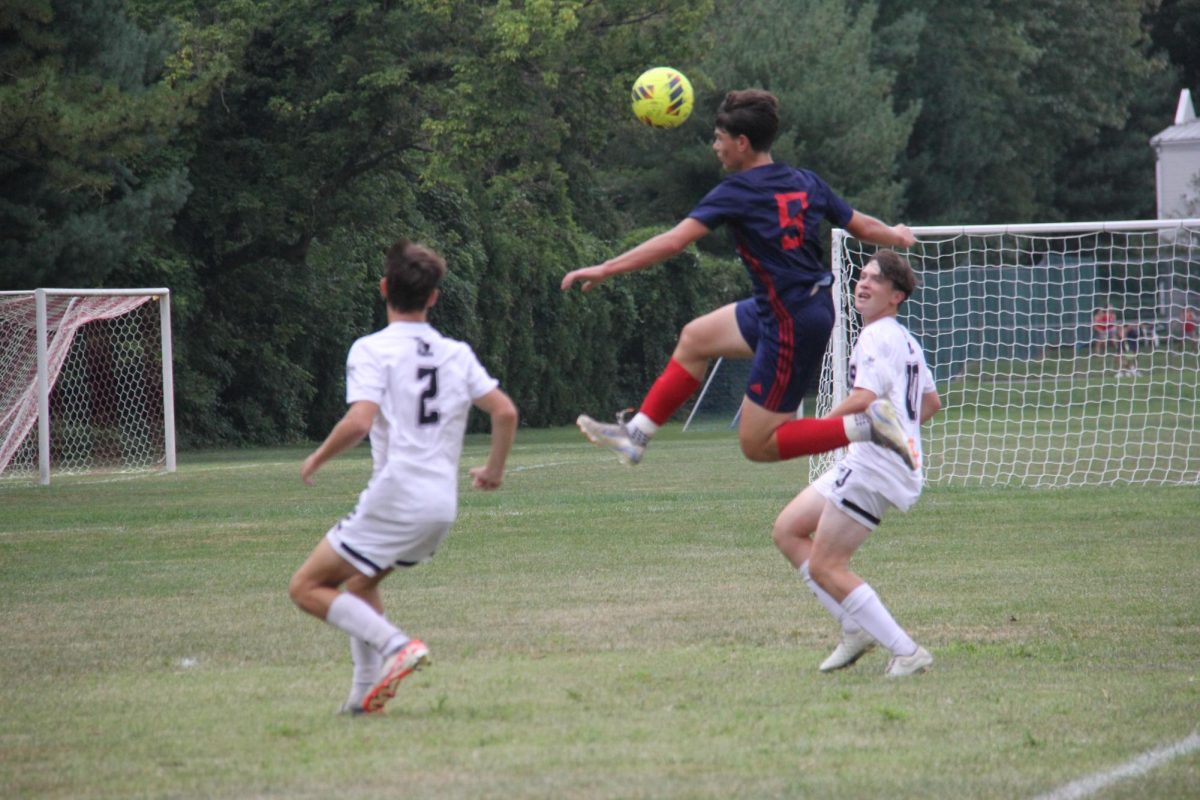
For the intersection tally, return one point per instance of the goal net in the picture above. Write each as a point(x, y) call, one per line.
point(85, 382)
point(1065, 354)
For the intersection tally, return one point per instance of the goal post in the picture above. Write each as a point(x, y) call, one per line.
point(1065, 354)
point(86, 381)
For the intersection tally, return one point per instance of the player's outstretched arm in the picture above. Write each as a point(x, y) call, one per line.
point(650, 252)
point(855, 403)
point(349, 431)
point(499, 406)
point(865, 227)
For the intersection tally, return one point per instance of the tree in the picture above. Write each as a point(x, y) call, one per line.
point(1175, 29)
point(1007, 90)
point(839, 112)
point(342, 125)
point(88, 179)
point(834, 77)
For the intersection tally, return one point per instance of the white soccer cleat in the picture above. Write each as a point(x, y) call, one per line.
point(612, 436)
point(396, 667)
point(849, 649)
point(901, 666)
point(887, 432)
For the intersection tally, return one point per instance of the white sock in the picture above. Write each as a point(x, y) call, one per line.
point(858, 427)
point(354, 616)
point(367, 661)
point(865, 607)
point(641, 428)
point(832, 606)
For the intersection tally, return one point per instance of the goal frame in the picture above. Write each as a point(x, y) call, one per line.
point(44, 388)
point(834, 384)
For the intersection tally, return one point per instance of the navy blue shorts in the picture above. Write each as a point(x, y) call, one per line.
point(789, 342)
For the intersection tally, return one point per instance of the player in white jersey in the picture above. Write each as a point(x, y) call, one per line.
point(819, 531)
point(410, 389)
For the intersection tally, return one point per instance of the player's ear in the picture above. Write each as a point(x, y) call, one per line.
point(383, 287)
point(433, 298)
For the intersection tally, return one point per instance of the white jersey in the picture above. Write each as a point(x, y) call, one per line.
point(424, 384)
point(888, 361)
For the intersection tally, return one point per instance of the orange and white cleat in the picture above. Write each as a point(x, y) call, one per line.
point(396, 667)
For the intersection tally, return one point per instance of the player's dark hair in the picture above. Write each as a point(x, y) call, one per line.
point(896, 269)
point(752, 113)
point(413, 272)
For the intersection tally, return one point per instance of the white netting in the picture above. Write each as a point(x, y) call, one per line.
point(1063, 356)
point(104, 364)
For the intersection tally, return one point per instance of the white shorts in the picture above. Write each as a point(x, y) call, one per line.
point(372, 544)
point(852, 492)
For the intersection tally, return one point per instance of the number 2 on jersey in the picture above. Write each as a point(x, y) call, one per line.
point(425, 414)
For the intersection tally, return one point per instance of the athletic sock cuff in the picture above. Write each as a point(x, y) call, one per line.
point(669, 392)
point(858, 598)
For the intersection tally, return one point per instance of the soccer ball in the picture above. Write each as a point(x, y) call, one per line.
point(662, 97)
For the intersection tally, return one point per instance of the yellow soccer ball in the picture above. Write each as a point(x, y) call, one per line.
point(662, 97)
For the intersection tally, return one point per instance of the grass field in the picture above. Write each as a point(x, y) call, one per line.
point(597, 632)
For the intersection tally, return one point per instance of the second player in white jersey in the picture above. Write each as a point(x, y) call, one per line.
point(889, 362)
point(410, 389)
point(822, 528)
point(424, 384)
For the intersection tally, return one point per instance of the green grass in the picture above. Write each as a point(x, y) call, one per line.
point(596, 632)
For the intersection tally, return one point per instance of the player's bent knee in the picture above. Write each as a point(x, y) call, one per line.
point(298, 589)
point(782, 536)
point(693, 343)
point(757, 449)
point(822, 572)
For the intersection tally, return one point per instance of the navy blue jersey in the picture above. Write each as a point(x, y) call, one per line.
point(775, 213)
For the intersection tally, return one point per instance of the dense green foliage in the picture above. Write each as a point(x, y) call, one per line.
point(89, 173)
point(1019, 102)
point(258, 157)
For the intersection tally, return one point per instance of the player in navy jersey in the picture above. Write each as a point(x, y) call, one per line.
point(775, 213)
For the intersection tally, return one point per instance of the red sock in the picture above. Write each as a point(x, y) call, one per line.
point(808, 436)
point(672, 389)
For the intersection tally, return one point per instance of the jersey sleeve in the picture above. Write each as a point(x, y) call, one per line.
point(716, 207)
point(365, 376)
point(479, 382)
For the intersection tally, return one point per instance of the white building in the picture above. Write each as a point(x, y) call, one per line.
point(1177, 170)
point(1177, 163)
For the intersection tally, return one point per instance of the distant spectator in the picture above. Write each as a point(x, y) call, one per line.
point(1105, 328)
point(1130, 341)
point(1189, 325)
point(1149, 336)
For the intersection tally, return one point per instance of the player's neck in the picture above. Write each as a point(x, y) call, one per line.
point(406, 316)
point(754, 160)
point(891, 313)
